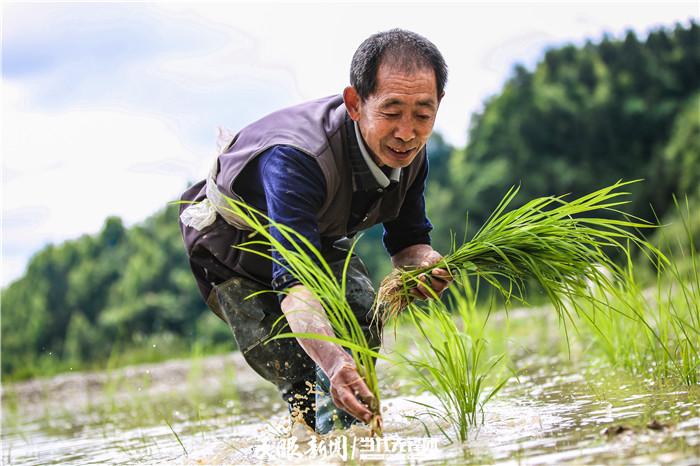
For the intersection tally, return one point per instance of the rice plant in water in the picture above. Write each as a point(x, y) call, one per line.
point(544, 239)
point(558, 243)
point(308, 265)
point(547, 240)
point(453, 365)
point(664, 318)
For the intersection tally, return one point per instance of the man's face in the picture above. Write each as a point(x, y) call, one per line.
point(397, 119)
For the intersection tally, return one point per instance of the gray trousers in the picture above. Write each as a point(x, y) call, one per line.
point(283, 362)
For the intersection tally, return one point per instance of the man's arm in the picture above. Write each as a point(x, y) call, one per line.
point(407, 238)
point(295, 190)
point(305, 314)
point(412, 225)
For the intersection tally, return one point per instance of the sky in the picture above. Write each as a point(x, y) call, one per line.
point(114, 108)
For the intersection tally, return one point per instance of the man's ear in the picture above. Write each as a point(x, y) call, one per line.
point(352, 102)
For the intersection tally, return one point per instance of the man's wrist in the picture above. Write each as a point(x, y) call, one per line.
point(340, 359)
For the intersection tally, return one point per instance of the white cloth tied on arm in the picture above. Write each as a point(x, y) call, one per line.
point(203, 214)
point(199, 215)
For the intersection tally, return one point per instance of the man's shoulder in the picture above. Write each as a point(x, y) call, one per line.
point(306, 126)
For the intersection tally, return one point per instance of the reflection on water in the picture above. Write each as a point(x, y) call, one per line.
point(222, 413)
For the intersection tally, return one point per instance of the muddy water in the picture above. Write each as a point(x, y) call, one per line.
point(216, 411)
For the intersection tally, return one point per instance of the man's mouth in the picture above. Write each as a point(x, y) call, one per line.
point(400, 152)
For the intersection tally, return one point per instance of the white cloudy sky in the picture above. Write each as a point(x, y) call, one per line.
point(110, 109)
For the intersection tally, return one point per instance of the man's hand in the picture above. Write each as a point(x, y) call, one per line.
point(348, 390)
point(423, 255)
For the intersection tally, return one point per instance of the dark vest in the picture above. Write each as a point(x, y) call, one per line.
point(323, 130)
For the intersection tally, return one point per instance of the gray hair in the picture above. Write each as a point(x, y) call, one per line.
point(405, 50)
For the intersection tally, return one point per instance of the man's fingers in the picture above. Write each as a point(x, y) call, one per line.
point(346, 400)
point(353, 406)
point(367, 400)
point(362, 391)
point(439, 284)
point(430, 286)
point(442, 274)
point(345, 391)
point(420, 291)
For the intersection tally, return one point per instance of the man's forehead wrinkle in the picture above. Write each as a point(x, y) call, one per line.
point(405, 86)
point(394, 101)
point(399, 88)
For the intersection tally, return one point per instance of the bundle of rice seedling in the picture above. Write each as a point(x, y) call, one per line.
point(558, 243)
point(306, 263)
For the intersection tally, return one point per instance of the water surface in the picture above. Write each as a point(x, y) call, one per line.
point(215, 410)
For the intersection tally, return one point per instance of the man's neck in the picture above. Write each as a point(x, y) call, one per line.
point(374, 167)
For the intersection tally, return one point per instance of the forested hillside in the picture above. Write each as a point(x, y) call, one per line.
point(120, 292)
point(584, 117)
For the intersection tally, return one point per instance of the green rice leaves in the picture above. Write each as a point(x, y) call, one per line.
point(306, 263)
point(559, 244)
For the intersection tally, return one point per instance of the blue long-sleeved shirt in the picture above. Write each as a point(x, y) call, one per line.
point(293, 190)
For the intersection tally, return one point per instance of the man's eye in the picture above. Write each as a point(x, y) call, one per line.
point(391, 115)
point(424, 117)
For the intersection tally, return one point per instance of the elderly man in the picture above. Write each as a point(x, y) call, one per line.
point(327, 168)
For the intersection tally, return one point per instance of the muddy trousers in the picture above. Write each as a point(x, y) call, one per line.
point(283, 362)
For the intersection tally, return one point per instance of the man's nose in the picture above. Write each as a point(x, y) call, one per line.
point(405, 130)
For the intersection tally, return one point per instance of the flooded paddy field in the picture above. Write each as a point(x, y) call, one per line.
point(215, 410)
